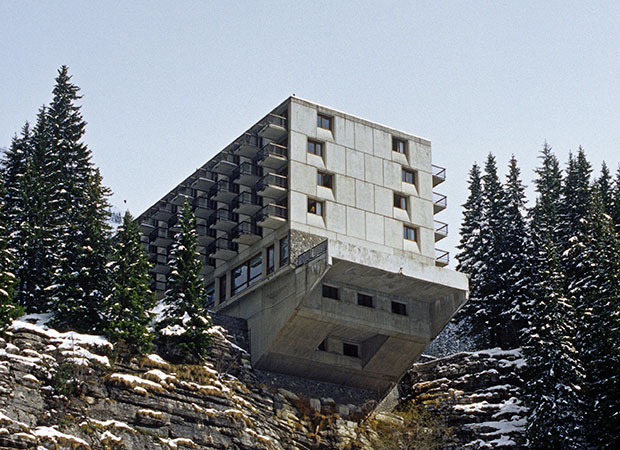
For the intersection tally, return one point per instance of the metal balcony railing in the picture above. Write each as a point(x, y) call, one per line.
point(246, 228)
point(274, 119)
point(224, 186)
point(272, 149)
point(439, 172)
point(160, 233)
point(247, 198)
point(204, 203)
point(204, 230)
point(439, 200)
point(441, 228)
point(249, 140)
point(272, 210)
point(272, 179)
point(312, 254)
point(222, 243)
point(442, 257)
point(247, 168)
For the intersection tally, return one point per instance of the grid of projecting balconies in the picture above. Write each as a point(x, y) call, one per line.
point(236, 197)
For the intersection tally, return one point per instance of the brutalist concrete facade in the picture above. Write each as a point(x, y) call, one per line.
point(319, 229)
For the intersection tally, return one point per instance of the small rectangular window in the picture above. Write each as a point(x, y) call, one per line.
point(399, 308)
point(410, 233)
point(315, 207)
point(323, 121)
point(324, 179)
point(400, 201)
point(409, 176)
point(222, 296)
point(364, 300)
point(284, 251)
point(350, 350)
point(210, 295)
point(399, 146)
point(315, 147)
point(331, 292)
point(271, 263)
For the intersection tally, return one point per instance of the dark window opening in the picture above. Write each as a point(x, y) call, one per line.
point(324, 179)
point(398, 145)
point(323, 346)
point(222, 288)
point(271, 263)
point(410, 233)
point(314, 147)
point(399, 308)
point(315, 207)
point(284, 251)
point(409, 176)
point(331, 292)
point(210, 295)
point(365, 300)
point(400, 201)
point(247, 274)
point(350, 350)
point(324, 121)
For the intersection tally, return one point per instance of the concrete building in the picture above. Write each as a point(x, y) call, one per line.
point(319, 229)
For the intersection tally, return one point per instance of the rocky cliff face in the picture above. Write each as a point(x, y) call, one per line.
point(64, 390)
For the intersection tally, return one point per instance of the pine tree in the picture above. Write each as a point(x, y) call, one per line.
point(545, 213)
point(80, 277)
point(471, 318)
point(186, 321)
point(605, 191)
point(9, 310)
point(615, 210)
point(131, 297)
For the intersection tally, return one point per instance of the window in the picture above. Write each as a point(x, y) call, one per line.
point(284, 251)
point(398, 145)
point(331, 292)
point(364, 300)
point(222, 288)
point(399, 308)
point(271, 263)
point(409, 176)
point(400, 201)
point(324, 179)
point(323, 346)
point(210, 295)
point(314, 147)
point(247, 274)
point(315, 207)
point(350, 350)
point(324, 121)
point(410, 233)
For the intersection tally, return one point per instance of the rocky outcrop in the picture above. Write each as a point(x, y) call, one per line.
point(475, 393)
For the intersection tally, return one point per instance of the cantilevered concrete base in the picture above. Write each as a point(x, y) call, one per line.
point(294, 329)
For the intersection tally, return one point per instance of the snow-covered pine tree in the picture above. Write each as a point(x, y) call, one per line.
point(80, 277)
point(603, 185)
point(553, 376)
point(615, 211)
point(9, 309)
point(472, 318)
point(184, 328)
point(545, 213)
point(516, 276)
point(131, 298)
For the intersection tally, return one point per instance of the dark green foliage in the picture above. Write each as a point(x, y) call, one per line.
point(80, 278)
point(186, 322)
point(127, 312)
point(615, 210)
point(9, 310)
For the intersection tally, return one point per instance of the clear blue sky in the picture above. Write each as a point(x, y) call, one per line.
point(167, 85)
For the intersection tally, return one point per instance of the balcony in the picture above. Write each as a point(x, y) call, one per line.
point(181, 196)
point(441, 230)
point(247, 203)
point(439, 175)
point(273, 127)
point(224, 191)
point(442, 258)
point(440, 202)
point(247, 174)
point(274, 156)
point(246, 233)
point(147, 226)
point(208, 265)
point(204, 181)
point(160, 263)
point(223, 220)
point(225, 163)
point(248, 145)
point(272, 185)
point(161, 237)
point(164, 211)
point(272, 216)
point(222, 248)
point(206, 235)
point(203, 207)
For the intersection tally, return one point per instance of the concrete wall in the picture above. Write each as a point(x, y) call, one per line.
point(359, 208)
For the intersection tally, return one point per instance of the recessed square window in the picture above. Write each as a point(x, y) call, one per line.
point(399, 308)
point(400, 201)
point(410, 233)
point(399, 145)
point(331, 292)
point(365, 300)
point(315, 147)
point(324, 179)
point(350, 350)
point(323, 121)
point(410, 176)
point(315, 207)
